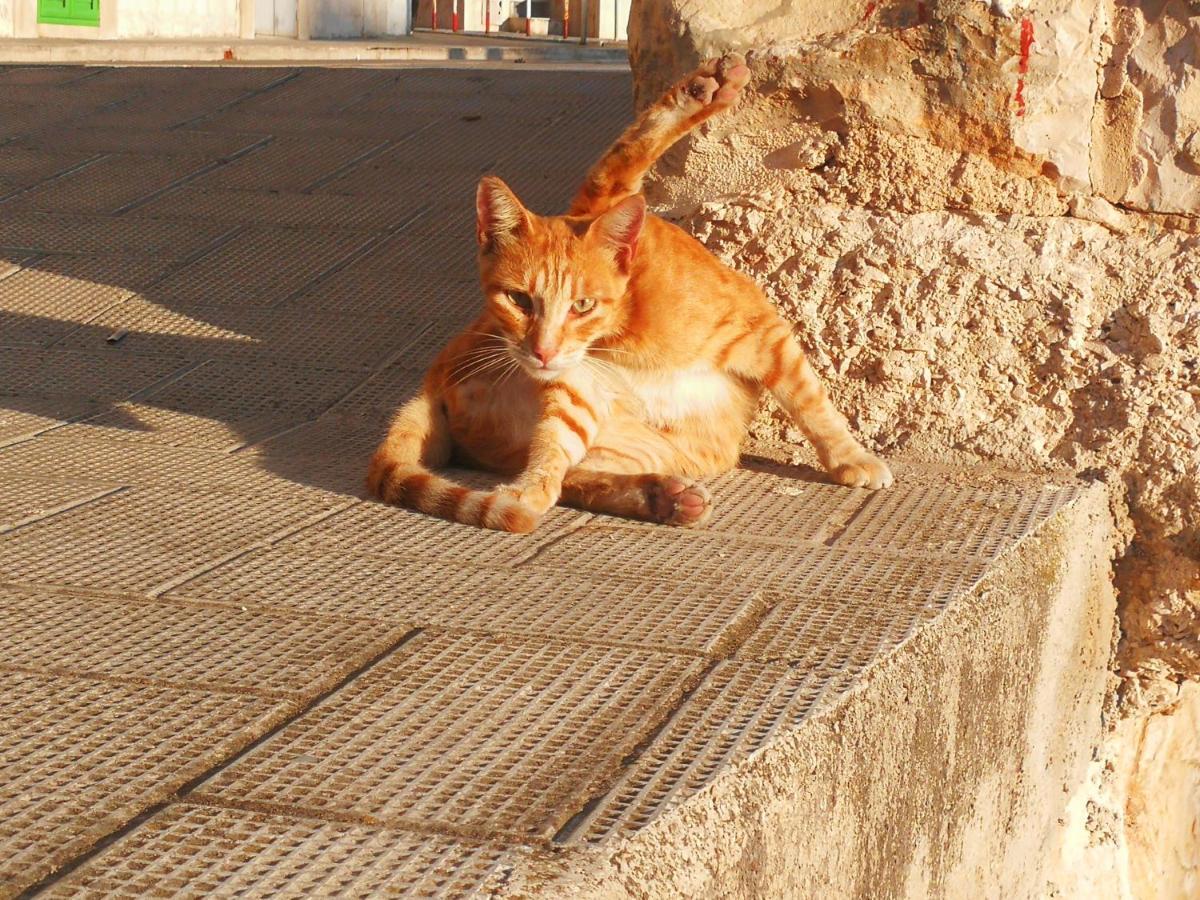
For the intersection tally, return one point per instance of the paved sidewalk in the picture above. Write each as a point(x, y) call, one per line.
point(224, 671)
point(421, 47)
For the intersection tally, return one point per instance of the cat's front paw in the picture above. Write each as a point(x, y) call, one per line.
point(534, 496)
point(717, 83)
point(862, 470)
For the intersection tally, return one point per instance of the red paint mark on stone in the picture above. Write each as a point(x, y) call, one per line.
point(870, 11)
point(1023, 64)
point(228, 54)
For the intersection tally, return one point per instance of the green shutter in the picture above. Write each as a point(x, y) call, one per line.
point(69, 12)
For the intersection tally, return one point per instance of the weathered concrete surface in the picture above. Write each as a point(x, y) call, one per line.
point(224, 672)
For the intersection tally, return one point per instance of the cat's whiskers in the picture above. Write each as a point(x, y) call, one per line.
point(479, 367)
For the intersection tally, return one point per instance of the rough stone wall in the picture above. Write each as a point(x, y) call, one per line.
point(981, 217)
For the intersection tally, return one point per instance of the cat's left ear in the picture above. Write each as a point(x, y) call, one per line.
point(621, 227)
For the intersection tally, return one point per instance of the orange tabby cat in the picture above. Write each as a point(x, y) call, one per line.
point(615, 361)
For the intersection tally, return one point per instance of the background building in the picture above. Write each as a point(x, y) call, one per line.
point(134, 19)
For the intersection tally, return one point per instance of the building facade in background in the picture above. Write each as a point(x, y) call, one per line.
point(156, 19)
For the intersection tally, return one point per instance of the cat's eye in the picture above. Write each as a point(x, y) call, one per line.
point(583, 305)
point(521, 300)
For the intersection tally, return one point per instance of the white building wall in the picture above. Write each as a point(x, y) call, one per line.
point(134, 19)
point(175, 18)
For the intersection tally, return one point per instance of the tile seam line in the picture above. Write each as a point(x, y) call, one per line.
point(563, 836)
point(349, 166)
point(138, 681)
point(190, 177)
point(496, 838)
point(241, 98)
point(262, 543)
point(170, 378)
point(71, 170)
point(346, 259)
point(270, 718)
point(173, 268)
point(552, 539)
point(299, 710)
point(837, 534)
point(61, 508)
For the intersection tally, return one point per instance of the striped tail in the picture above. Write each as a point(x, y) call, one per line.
point(412, 486)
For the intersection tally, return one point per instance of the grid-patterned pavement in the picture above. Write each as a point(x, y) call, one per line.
point(223, 671)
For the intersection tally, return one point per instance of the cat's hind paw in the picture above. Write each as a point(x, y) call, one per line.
point(679, 501)
point(863, 470)
point(716, 84)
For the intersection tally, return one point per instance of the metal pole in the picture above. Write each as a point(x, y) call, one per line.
point(566, 19)
point(528, 17)
point(583, 10)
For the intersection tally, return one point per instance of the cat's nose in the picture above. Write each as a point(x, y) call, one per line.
point(545, 354)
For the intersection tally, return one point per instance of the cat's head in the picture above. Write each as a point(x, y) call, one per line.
point(555, 285)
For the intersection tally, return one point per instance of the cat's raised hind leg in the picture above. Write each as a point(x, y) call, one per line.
point(618, 174)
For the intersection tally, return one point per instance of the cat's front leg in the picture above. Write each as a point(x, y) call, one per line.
point(567, 425)
point(767, 352)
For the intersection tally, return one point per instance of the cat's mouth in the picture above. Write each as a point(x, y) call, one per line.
point(555, 368)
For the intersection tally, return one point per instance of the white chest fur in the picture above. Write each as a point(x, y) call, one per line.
point(671, 396)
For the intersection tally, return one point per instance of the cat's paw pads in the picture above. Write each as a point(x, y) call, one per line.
point(862, 471)
point(718, 82)
point(679, 501)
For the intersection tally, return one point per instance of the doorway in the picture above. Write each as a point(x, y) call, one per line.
point(276, 17)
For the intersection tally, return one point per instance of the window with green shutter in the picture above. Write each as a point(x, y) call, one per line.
point(69, 12)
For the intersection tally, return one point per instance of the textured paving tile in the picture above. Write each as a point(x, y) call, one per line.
point(139, 539)
point(855, 602)
point(262, 266)
point(949, 519)
point(172, 643)
point(107, 185)
point(465, 733)
point(21, 166)
point(289, 162)
point(223, 404)
point(673, 555)
point(41, 232)
point(375, 529)
point(82, 757)
point(359, 289)
point(288, 208)
point(42, 414)
point(208, 145)
point(52, 295)
point(736, 711)
point(24, 499)
point(198, 332)
point(60, 454)
point(602, 610)
point(198, 851)
point(68, 373)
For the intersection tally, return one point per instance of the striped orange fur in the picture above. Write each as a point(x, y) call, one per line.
point(615, 362)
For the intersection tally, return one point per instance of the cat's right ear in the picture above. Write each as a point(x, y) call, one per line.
point(499, 215)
